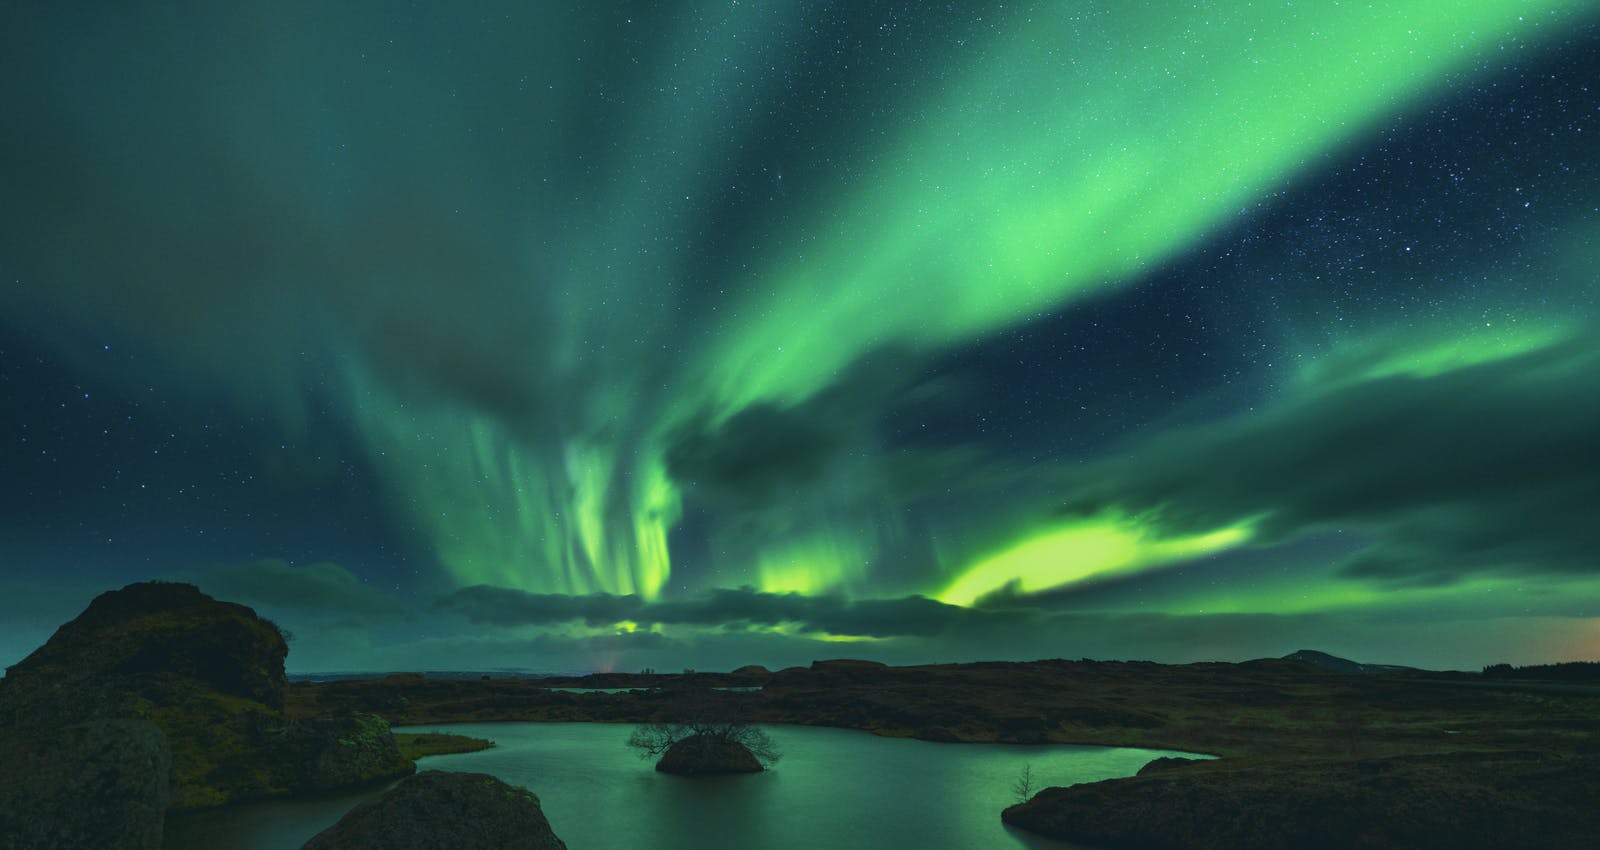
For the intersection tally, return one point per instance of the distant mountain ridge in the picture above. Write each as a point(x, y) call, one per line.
point(1341, 665)
point(445, 675)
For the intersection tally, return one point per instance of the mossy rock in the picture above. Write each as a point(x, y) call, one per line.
point(346, 750)
point(104, 783)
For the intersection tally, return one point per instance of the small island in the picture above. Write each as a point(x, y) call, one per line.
point(714, 742)
point(705, 755)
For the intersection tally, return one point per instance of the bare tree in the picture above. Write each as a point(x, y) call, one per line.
point(709, 720)
point(1023, 787)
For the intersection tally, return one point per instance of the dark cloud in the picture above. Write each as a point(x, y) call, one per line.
point(1492, 467)
point(897, 617)
point(757, 454)
point(725, 630)
point(503, 606)
point(321, 589)
point(767, 452)
point(635, 641)
point(823, 472)
point(911, 628)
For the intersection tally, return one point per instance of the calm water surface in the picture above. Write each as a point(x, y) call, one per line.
point(833, 788)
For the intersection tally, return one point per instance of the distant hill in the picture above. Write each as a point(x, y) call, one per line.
point(1341, 665)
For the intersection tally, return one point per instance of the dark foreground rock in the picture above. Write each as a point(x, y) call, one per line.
point(210, 676)
point(1467, 801)
point(705, 755)
point(102, 784)
point(434, 809)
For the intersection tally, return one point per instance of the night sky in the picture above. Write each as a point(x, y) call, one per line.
point(572, 336)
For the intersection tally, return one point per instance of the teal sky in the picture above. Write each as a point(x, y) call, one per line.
point(594, 336)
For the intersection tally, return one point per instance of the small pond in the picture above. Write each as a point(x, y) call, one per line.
point(833, 788)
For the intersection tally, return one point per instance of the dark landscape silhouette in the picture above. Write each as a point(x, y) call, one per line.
point(159, 699)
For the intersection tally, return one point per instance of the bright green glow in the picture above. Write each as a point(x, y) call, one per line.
point(828, 637)
point(1308, 591)
point(1433, 351)
point(793, 630)
point(812, 565)
point(1082, 550)
point(1081, 152)
point(502, 513)
point(584, 504)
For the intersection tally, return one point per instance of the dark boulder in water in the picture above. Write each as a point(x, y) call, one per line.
point(102, 784)
point(434, 809)
point(707, 755)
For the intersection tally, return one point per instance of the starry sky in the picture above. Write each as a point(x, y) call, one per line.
point(577, 336)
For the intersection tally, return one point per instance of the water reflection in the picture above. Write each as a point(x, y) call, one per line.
point(833, 788)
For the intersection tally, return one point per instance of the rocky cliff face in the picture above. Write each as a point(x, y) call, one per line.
point(463, 811)
point(209, 675)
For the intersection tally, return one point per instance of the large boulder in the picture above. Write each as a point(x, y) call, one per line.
point(707, 755)
point(101, 784)
point(1460, 801)
point(210, 676)
point(462, 811)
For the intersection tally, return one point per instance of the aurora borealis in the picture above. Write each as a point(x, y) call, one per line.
point(576, 336)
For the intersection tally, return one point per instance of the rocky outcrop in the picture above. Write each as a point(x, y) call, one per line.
point(101, 784)
point(1472, 801)
point(345, 750)
point(462, 811)
point(707, 755)
point(142, 643)
point(210, 676)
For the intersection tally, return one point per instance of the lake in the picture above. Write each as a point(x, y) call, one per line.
point(833, 788)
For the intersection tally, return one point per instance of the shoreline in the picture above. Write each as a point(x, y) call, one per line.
point(1389, 759)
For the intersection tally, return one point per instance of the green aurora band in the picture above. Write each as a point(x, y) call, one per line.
point(1084, 150)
